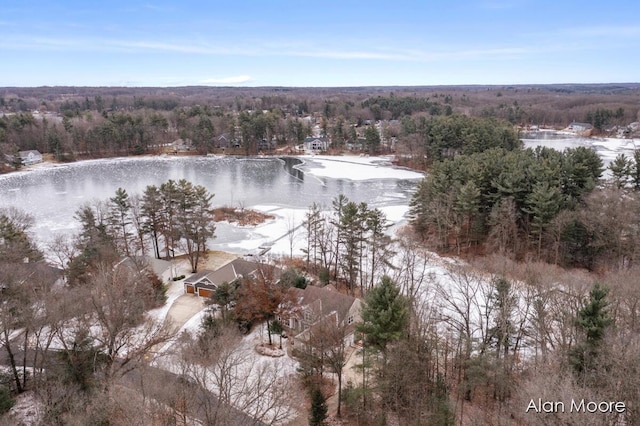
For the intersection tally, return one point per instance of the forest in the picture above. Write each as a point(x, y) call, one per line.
point(78, 122)
point(515, 280)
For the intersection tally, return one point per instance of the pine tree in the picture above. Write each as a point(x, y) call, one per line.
point(544, 203)
point(635, 169)
point(592, 321)
point(468, 206)
point(622, 170)
point(151, 213)
point(120, 219)
point(195, 221)
point(338, 205)
point(351, 230)
point(385, 316)
point(318, 410)
point(379, 242)
point(169, 200)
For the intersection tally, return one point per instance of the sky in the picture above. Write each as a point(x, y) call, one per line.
point(318, 43)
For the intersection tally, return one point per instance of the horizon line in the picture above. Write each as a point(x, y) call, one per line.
point(209, 86)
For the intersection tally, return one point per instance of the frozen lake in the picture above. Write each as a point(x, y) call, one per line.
point(286, 187)
point(607, 148)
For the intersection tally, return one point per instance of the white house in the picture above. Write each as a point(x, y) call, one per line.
point(316, 144)
point(30, 157)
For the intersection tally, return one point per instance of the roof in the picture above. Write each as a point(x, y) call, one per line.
point(327, 299)
point(233, 270)
point(583, 125)
point(27, 153)
point(198, 276)
point(312, 139)
point(157, 266)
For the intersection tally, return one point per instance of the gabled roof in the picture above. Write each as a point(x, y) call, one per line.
point(326, 299)
point(198, 276)
point(25, 154)
point(233, 270)
point(311, 139)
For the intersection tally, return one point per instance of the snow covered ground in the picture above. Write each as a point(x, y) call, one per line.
point(284, 235)
point(607, 148)
point(258, 385)
point(355, 167)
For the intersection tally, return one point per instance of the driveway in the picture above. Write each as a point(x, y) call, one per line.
point(183, 308)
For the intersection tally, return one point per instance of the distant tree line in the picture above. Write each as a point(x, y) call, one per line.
point(98, 122)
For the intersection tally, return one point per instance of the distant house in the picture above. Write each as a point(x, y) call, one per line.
point(583, 129)
point(182, 145)
point(30, 157)
point(358, 145)
point(223, 141)
point(316, 144)
point(265, 145)
point(317, 305)
point(205, 282)
point(141, 264)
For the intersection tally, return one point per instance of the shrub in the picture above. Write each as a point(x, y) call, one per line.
point(6, 400)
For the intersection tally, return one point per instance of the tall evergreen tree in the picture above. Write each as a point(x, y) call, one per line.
point(153, 220)
point(119, 219)
point(373, 139)
point(592, 321)
point(622, 171)
point(318, 410)
point(338, 207)
point(543, 204)
point(385, 316)
point(379, 242)
point(350, 238)
point(195, 220)
point(169, 198)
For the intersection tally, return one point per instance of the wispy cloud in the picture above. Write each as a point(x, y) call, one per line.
point(157, 8)
point(269, 49)
point(238, 79)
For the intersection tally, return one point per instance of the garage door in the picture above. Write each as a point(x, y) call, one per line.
point(203, 292)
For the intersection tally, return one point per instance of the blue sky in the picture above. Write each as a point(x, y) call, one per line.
point(317, 43)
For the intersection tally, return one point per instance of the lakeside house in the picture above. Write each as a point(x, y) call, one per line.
point(316, 144)
point(205, 282)
point(317, 305)
point(30, 157)
point(582, 129)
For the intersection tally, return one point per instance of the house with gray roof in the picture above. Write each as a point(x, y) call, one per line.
point(317, 305)
point(582, 129)
point(316, 144)
point(205, 282)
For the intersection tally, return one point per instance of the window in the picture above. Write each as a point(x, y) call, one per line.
point(350, 320)
point(307, 315)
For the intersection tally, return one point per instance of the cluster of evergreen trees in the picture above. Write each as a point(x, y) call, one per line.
point(174, 217)
point(348, 242)
point(404, 106)
point(500, 196)
point(429, 140)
